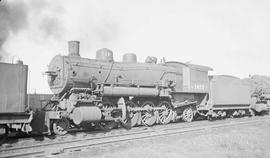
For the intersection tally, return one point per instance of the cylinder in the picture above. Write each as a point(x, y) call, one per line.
point(129, 58)
point(130, 91)
point(86, 113)
point(74, 48)
point(104, 54)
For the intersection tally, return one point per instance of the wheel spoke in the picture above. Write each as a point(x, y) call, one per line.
point(188, 114)
point(132, 116)
point(148, 117)
point(165, 116)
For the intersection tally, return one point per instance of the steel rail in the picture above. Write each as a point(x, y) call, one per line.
point(119, 133)
point(48, 148)
point(82, 133)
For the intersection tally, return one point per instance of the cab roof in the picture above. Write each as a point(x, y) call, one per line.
point(192, 66)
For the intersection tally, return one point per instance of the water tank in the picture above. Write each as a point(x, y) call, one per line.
point(104, 54)
point(129, 58)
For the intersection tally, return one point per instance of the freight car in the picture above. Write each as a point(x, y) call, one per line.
point(13, 98)
point(102, 91)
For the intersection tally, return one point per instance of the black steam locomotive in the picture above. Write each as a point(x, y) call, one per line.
point(101, 91)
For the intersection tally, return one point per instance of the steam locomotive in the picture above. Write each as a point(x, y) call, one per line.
point(104, 93)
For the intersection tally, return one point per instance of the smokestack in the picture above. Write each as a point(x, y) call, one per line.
point(73, 48)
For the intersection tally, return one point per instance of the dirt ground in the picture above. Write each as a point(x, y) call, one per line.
point(244, 141)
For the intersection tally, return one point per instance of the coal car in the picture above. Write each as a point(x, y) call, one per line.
point(229, 97)
point(14, 113)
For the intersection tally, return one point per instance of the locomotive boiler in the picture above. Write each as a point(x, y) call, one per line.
point(102, 91)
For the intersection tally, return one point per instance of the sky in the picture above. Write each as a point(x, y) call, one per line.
point(231, 36)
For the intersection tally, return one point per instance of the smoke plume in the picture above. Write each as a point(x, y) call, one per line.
point(34, 16)
point(47, 18)
point(13, 18)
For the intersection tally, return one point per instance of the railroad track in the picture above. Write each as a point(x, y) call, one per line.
point(51, 148)
point(79, 134)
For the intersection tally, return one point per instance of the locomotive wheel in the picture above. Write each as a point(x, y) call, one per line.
point(188, 115)
point(148, 117)
point(132, 116)
point(60, 126)
point(165, 116)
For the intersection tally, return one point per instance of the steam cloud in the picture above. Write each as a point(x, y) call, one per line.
point(16, 15)
point(42, 20)
point(13, 18)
